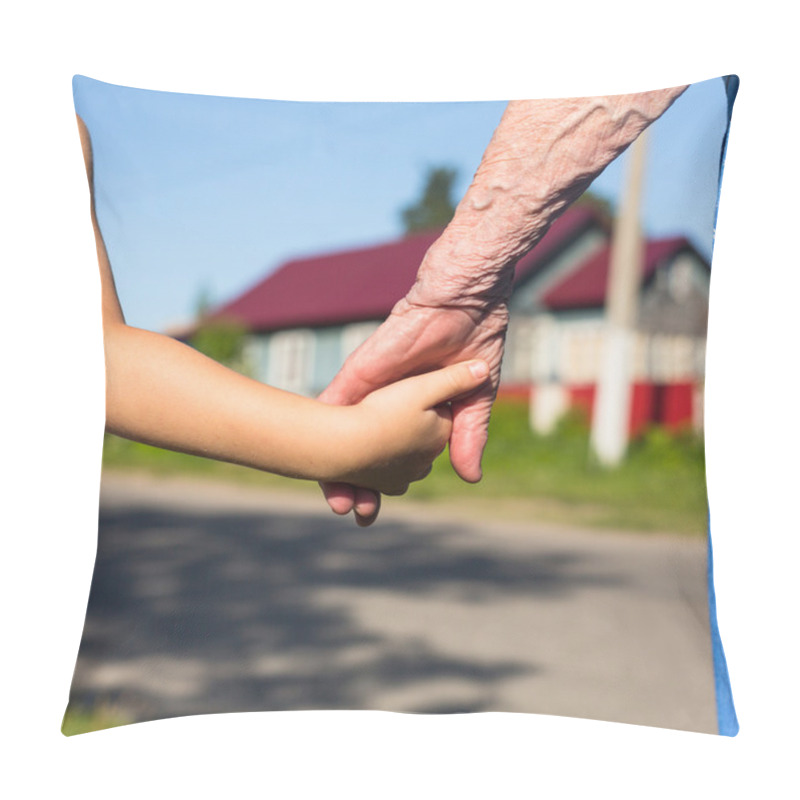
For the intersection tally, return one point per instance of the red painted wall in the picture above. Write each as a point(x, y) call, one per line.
point(670, 405)
point(582, 397)
point(643, 407)
point(677, 405)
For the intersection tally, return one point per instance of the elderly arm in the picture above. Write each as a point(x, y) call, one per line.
point(542, 156)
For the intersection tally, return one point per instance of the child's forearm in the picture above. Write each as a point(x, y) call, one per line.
point(163, 392)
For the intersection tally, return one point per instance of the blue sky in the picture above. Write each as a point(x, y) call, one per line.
point(211, 193)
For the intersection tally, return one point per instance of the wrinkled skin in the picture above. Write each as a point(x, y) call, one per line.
point(542, 156)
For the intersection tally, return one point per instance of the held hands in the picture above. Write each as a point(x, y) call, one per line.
point(414, 339)
point(401, 428)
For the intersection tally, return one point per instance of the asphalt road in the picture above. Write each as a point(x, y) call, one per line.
point(215, 598)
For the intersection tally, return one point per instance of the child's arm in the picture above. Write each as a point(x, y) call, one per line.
point(165, 393)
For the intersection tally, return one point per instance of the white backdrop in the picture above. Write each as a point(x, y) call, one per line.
point(53, 387)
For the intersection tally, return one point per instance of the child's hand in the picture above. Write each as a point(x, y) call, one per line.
point(401, 428)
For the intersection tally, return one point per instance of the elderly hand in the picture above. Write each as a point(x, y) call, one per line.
point(543, 155)
point(417, 338)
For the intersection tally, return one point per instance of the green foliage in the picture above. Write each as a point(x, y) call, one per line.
point(203, 303)
point(599, 204)
point(222, 340)
point(435, 208)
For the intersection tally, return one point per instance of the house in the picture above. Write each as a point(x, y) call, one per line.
point(309, 314)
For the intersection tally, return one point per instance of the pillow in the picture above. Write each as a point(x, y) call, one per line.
point(575, 579)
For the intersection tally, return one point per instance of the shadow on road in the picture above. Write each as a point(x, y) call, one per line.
point(201, 613)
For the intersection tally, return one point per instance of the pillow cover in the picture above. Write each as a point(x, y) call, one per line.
point(575, 579)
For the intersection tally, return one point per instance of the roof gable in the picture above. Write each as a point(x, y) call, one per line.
point(585, 287)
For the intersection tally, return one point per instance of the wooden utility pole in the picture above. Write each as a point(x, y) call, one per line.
point(612, 403)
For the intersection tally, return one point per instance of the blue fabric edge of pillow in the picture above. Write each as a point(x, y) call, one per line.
point(727, 722)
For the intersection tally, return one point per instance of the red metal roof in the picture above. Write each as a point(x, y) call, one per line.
point(364, 284)
point(585, 287)
point(341, 287)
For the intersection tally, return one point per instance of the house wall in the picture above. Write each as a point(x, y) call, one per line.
point(304, 360)
point(559, 358)
point(327, 359)
point(676, 299)
point(291, 359)
point(556, 355)
point(688, 272)
point(549, 347)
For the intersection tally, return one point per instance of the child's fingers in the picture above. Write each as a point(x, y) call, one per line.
point(366, 506)
point(444, 384)
point(396, 488)
point(339, 496)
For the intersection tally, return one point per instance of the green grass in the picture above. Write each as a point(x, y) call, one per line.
point(122, 453)
point(660, 486)
point(84, 720)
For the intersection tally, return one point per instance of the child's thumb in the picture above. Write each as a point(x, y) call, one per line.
point(450, 382)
